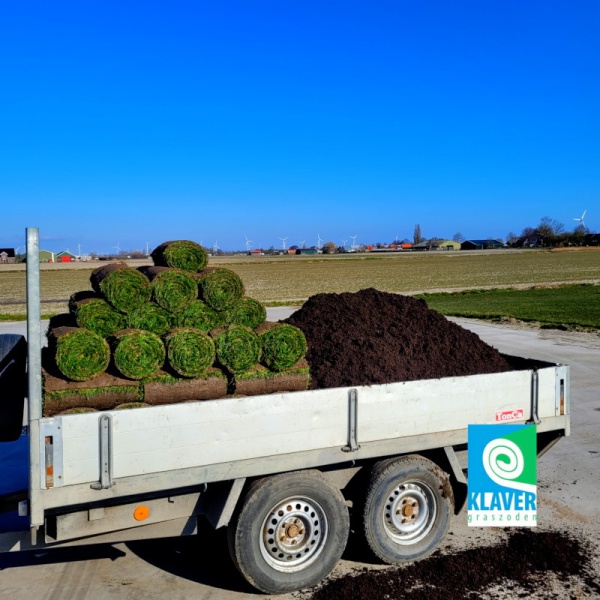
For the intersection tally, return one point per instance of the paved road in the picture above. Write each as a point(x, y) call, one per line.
point(199, 568)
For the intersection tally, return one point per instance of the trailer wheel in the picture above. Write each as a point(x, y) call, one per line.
point(407, 510)
point(289, 532)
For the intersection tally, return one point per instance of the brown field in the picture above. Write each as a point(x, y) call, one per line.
point(293, 279)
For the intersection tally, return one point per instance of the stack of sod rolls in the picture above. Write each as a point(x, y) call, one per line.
point(173, 332)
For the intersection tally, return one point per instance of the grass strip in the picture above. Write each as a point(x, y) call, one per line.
point(128, 405)
point(96, 314)
point(200, 316)
point(189, 351)
point(137, 353)
point(124, 287)
point(568, 307)
point(248, 312)
point(260, 380)
point(173, 289)
point(151, 317)
point(238, 347)
point(283, 345)
point(79, 354)
point(220, 288)
point(180, 254)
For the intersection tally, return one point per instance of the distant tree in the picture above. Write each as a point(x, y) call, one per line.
point(528, 231)
point(511, 238)
point(417, 237)
point(458, 237)
point(329, 248)
point(550, 228)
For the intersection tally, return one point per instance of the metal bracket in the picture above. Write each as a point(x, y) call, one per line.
point(105, 450)
point(352, 422)
point(535, 392)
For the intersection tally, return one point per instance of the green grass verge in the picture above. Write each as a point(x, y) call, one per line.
point(568, 307)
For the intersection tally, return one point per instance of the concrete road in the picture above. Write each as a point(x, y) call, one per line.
point(200, 568)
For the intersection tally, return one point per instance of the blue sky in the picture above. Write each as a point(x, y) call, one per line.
point(139, 122)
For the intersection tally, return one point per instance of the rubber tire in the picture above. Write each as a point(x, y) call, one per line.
point(386, 476)
point(245, 530)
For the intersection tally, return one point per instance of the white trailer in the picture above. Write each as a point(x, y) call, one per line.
point(280, 471)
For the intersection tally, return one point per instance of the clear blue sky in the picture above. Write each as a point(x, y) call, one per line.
point(139, 122)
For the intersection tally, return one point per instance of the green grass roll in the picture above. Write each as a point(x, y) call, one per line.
point(173, 289)
point(96, 314)
point(137, 353)
point(283, 345)
point(220, 288)
point(79, 354)
point(238, 347)
point(180, 254)
point(200, 316)
point(124, 287)
point(248, 312)
point(151, 317)
point(190, 352)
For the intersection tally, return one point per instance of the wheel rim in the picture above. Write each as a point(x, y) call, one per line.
point(293, 534)
point(409, 512)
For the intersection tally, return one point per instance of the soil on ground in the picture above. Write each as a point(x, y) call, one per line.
point(373, 337)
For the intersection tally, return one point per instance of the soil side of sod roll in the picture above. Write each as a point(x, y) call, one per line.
point(163, 388)
point(219, 288)
point(260, 380)
point(180, 254)
point(372, 337)
point(78, 353)
point(124, 287)
point(173, 289)
point(137, 353)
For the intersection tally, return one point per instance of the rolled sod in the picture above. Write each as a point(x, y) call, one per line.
point(238, 347)
point(129, 405)
point(137, 353)
point(219, 288)
point(173, 289)
point(151, 317)
point(166, 389)
point(96, 314)
point(124, 287)
point(248, 312)
point(102, 393)
point(180, 254)
point(200, 316)
point(190, 352)
point(283, 345)
point(260, 380)
point(79, 354)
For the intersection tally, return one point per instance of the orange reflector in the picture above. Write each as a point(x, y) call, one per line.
point(141, 513)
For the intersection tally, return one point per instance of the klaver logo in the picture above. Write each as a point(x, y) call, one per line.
point(502, 489)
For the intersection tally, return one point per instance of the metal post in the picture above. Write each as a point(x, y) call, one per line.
point(34, 374)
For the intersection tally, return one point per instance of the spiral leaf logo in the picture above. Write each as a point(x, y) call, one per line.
point(503, 462)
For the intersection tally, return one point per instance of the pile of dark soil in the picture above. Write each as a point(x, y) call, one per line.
point(516, 569)
point(371, 337)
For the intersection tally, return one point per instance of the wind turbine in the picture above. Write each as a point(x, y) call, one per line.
point(215, 248)
point(147, 248)
point(319, 242)
point(344, 244)
point(248, 242)
point(283, 242)
point(117, 248)
point(580, 219)
point(303, 244)
point(354, 241)
point(78, 249)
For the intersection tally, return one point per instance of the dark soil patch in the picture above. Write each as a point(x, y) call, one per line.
point(519, 567)
point(372, 337)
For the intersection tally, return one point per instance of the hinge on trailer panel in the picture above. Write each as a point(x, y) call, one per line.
point(352, 422)
point(105, 450)
point(535, 393)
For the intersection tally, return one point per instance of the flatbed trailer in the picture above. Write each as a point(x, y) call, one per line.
point(280, 471)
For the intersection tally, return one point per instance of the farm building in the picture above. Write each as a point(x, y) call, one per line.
point(437, 244)
point(307, 251)
point(65, 256)
point(7, 255)
point(592, 239)
point(47, 256)
point(481, 245)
